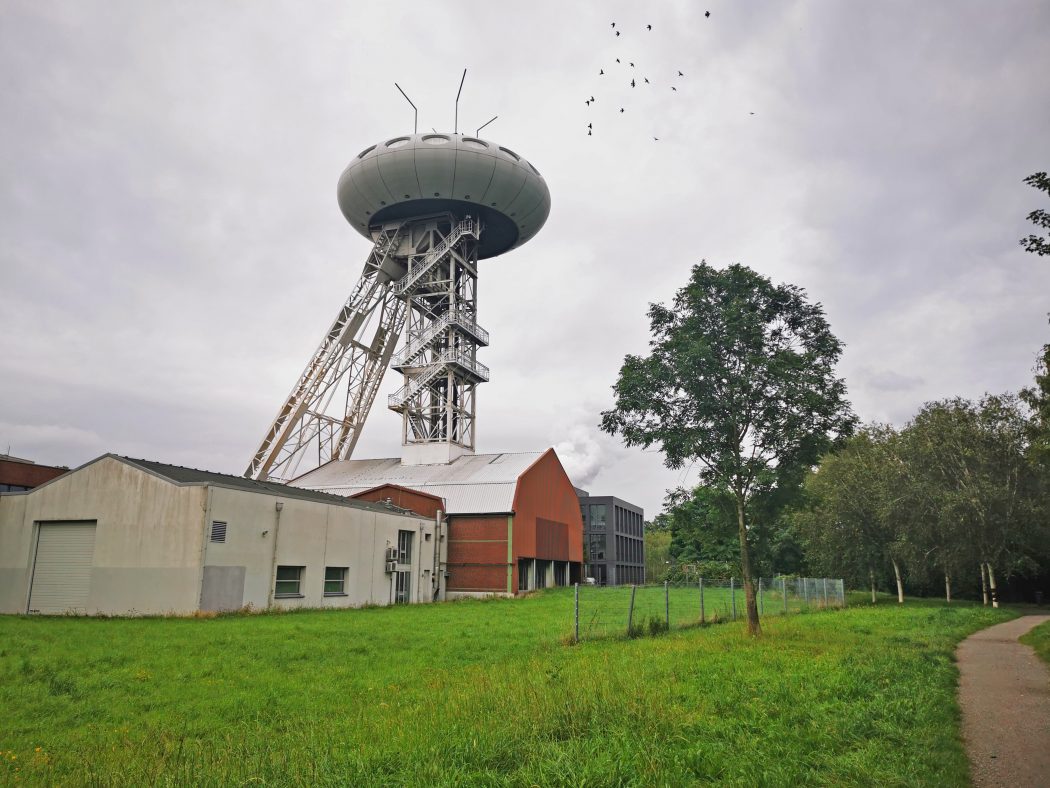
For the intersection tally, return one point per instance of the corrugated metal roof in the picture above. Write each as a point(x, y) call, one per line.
point(182, 475)
point(471, 484)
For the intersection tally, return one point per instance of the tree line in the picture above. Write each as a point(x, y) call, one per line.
point(740, 384)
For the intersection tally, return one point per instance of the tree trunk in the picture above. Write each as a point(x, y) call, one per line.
point(991, 584)
point(871, 577)
point(947, 587)
point(984, 584)
point(900, 583)
point(753, 625)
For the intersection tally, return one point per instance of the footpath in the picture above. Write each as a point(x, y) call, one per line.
point(1004, 694)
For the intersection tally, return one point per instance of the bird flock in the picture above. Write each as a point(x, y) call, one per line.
point(634, 83)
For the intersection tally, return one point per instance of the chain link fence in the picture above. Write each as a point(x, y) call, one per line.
point(610, 611)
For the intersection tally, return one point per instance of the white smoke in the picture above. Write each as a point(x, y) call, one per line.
point(581, 455)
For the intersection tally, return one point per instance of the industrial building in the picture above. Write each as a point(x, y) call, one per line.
point(614, 536)
point(119, 536)
point(123, 536)
point(19, 475)
point(513, 519)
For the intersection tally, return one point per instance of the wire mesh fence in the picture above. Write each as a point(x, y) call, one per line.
point(609, 611)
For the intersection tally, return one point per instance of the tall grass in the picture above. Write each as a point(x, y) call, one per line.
point(482, 693)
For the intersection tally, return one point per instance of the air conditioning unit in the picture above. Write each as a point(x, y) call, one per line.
point(391, 567)
point(391, 554)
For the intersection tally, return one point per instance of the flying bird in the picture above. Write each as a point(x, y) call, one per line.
point(612, 24)
point(646, 80)
point(707, 14)
point(632, 65)
point(617, 32)
point(587, 103)
point(589, 125)
point(681, 74)
point(632, 83)
point(592, 98)
point(617, 60)
point(601, 72)
point(589, 133)
point(648, 27)
point(656, 138)
point(621, 109)
point(674, 88)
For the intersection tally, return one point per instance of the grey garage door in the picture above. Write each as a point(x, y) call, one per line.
point(62, 571)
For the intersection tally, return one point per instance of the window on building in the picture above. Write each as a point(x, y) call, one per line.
point(289, 581)
point(597, 546)
point(218, 531)
point(597, 516)
point(335, 580)
point(403, 584)
point(404, 547)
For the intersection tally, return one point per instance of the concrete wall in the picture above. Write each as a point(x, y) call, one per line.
point(148, 538)
point(153, 553)
point(316, 535)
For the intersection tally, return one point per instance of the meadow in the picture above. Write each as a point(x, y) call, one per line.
point(1039, 639)
point(483, 693)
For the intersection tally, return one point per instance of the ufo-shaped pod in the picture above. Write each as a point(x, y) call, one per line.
point(370, 184)
point(436, 166)
point(422, 174)
point(397, 167)
point(474, 168)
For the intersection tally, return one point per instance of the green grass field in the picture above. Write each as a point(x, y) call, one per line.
point(1039, 639)
point(483, 693)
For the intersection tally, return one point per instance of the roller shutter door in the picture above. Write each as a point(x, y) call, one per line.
point(62, 571)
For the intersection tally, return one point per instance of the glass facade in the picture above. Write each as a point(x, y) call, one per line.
point(614, 543)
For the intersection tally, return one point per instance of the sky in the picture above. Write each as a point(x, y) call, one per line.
point(172, 251)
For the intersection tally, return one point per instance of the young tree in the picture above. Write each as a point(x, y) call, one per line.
point(1037, 398)
point(850, 520)
point(980, 494)
point(741, 380)
point(703, 525)
point(1039, 217)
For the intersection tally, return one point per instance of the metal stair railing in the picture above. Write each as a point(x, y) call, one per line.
point(455, 317)
point(451, 356)
point(407, 283)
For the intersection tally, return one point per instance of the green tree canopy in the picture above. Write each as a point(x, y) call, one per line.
point(740, 381)
point(1039, 217)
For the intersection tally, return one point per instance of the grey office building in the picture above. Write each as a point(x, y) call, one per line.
point(613, 539)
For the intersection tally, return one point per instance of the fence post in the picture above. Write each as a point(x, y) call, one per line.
point(761, 604)
point(577, 623)
point(702, 601)
point(825, 592)
point(805, 591)
point(667, 607)
point(630, 611)
point(784, 593)
point(842, 592)
point(732, 593)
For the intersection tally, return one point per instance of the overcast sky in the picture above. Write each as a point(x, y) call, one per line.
point(172, 250)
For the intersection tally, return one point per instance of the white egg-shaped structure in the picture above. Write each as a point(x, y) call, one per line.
point(420, 174)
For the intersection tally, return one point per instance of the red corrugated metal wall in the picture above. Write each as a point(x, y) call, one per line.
point(477, 553)
point(419, 502)
point(547, 522)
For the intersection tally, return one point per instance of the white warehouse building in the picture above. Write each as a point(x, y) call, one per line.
point(119, 536)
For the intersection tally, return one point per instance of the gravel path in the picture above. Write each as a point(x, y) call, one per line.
point(1004, 693)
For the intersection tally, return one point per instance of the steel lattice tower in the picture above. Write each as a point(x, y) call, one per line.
point(433, 206)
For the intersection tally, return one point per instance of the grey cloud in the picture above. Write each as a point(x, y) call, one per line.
point(172, 248)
